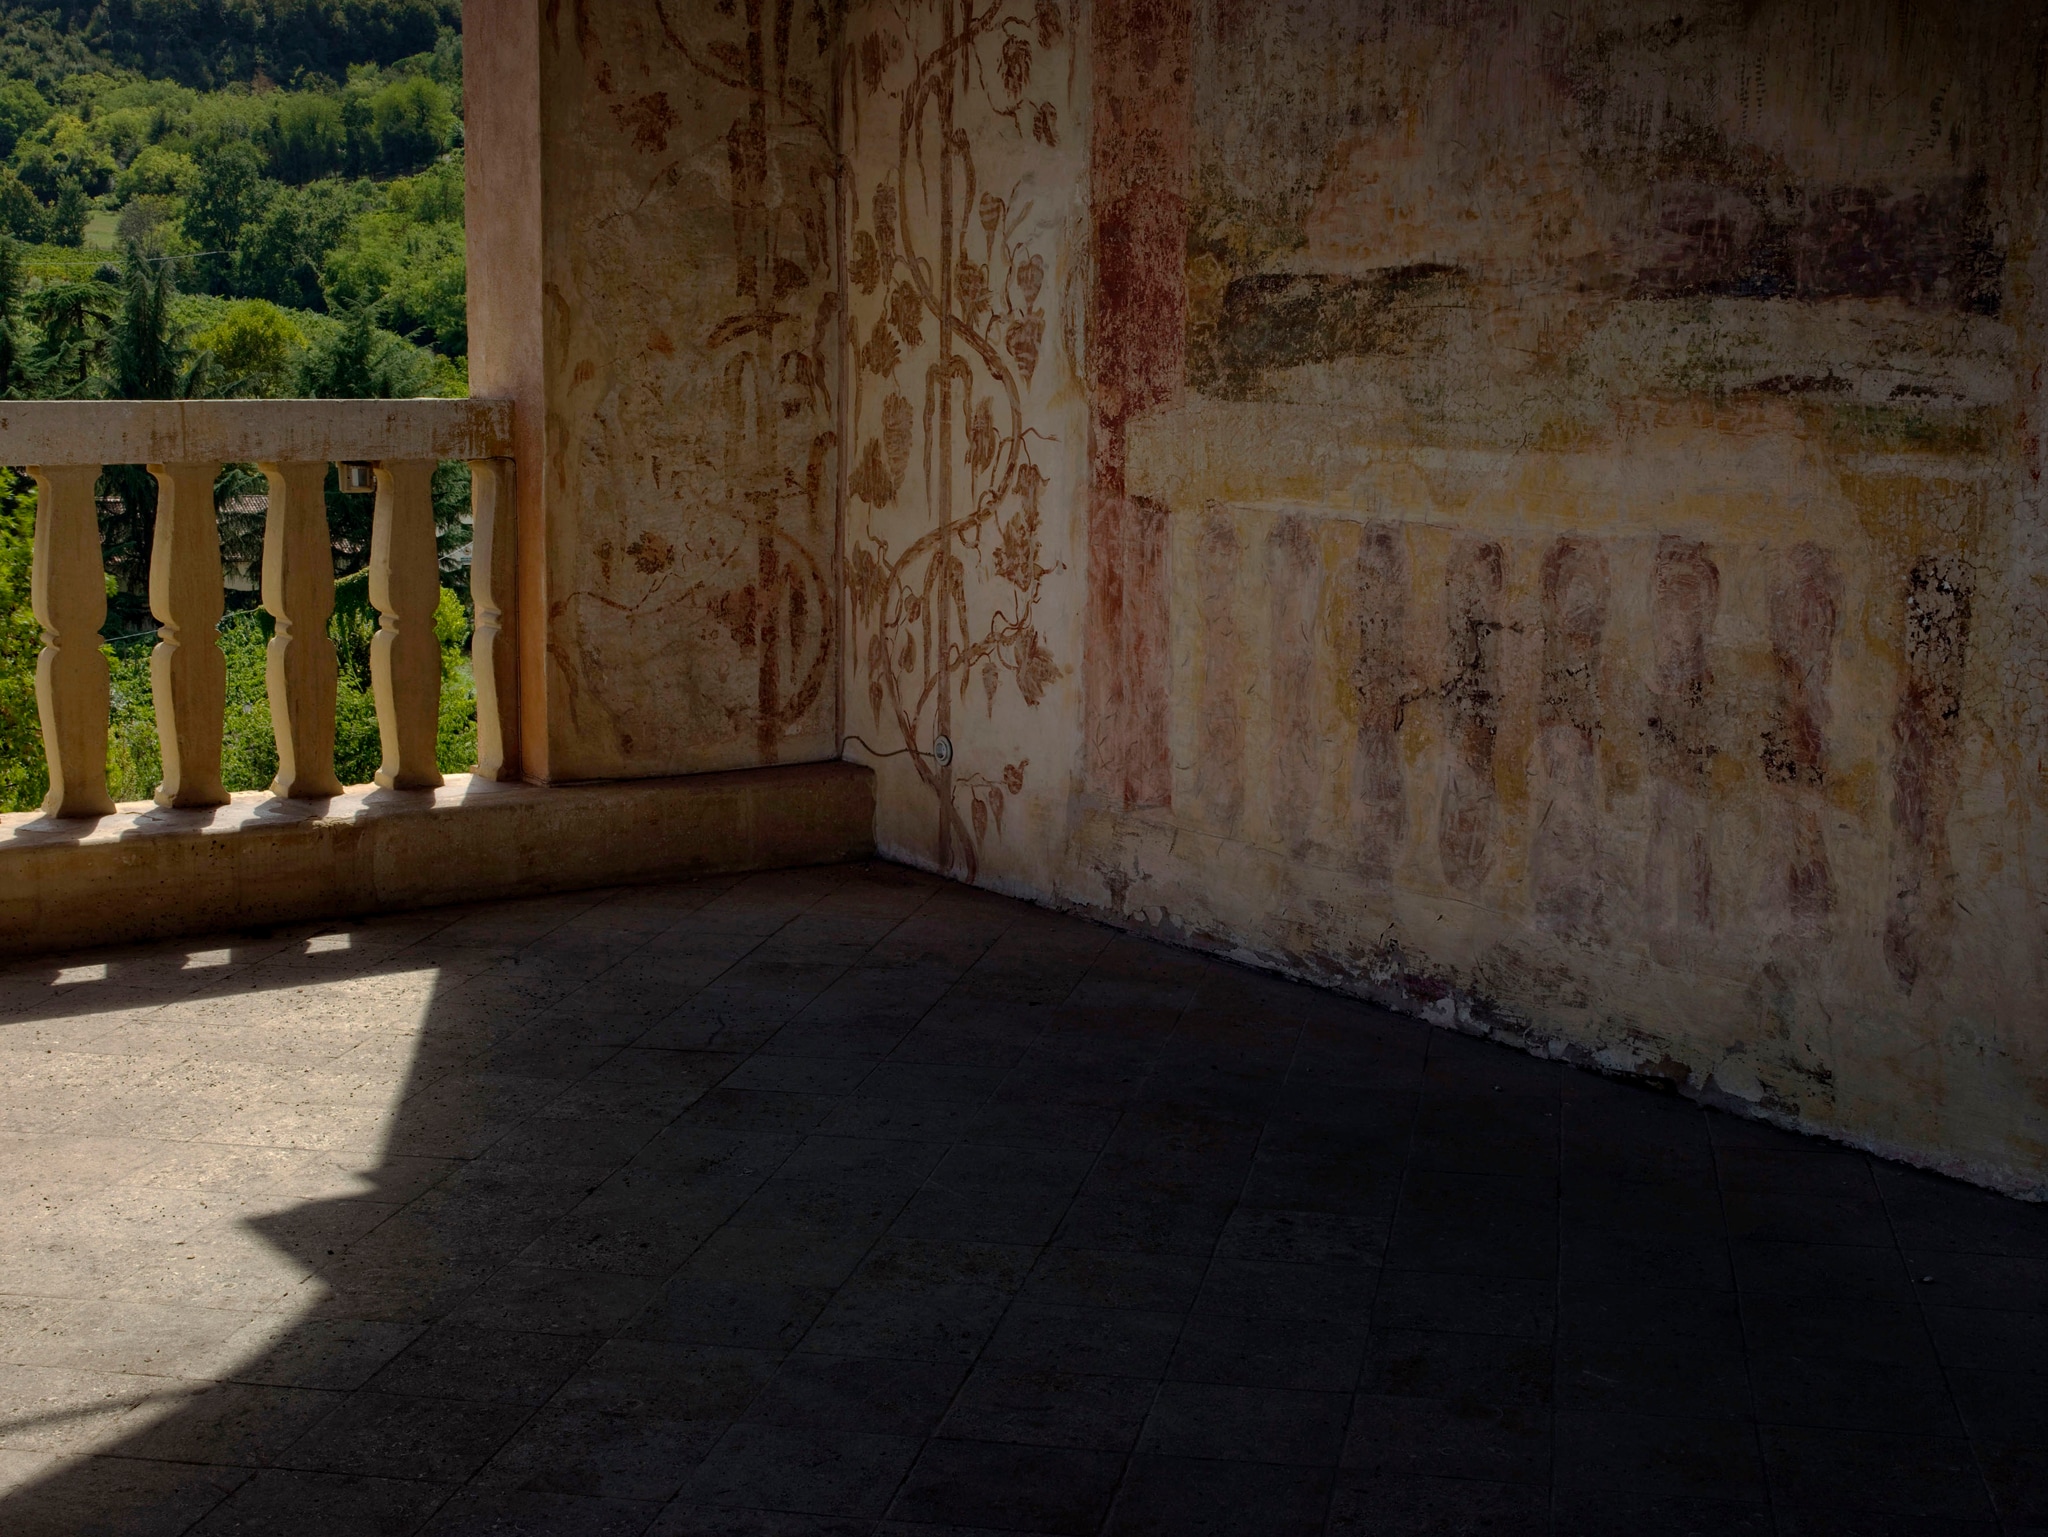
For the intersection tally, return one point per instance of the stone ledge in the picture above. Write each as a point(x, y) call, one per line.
point(146, 873)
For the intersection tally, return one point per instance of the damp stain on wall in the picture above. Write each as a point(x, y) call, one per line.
point(1587, 453)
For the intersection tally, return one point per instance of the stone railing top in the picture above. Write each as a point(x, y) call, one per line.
point(53, 432)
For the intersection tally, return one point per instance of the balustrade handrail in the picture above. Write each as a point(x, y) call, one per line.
point(66, 444)
point(249, 431)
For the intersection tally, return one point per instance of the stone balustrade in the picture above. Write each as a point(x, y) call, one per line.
point(65, 444)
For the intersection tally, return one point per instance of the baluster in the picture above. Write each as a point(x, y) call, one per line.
point(299, 666)
point(187, 672)
point(494, 648)
point(68, 594)
point(405, 656)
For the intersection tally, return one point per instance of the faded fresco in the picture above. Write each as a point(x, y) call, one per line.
point(1529, 513)
point(1575, 568)
point(962, 187)
point(693, 330)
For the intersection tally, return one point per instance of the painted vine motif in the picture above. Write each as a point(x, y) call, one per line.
point(947, 333)
point(776, 371)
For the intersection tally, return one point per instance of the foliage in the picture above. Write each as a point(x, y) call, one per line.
point(342, 191)
point(343, 194)
point(157, 171)
point(23, 777)
point(258, 344)
point(22, 111)
point(248, 744)
point(208, 43)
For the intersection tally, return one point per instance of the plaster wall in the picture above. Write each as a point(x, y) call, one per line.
point(1528, 513)
point(671, 340)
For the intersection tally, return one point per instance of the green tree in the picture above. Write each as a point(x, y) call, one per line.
point(258, 343)
point(306, 139)
point(414, 123)
point(18, 377)
point(150, 356)
point(21, 214)
point(283, 250)
point(22, 112)
point(68, 218)
point(229, 191)
point(157, 171)
point(23, 774)
point(71, 321)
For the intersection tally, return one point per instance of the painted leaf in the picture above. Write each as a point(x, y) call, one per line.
point(875, 700)
point(865, 268)
point(1031, 278)
point(995, 806)
point(1021, 340)
point(1013, 775)
point(789, 277)
point(991, 680)
point(885, 222)
point(1050, 26)
point(896, 425)
point(1016, 63)
point(651, 553)
point(991, 212)
point(980, 821)
point(881, 355)
point(1045, 124)
point(1035, 667)
point(981, 436)
point(864, 581)
point(870, 480)
point(970, 286)
point(907, 311)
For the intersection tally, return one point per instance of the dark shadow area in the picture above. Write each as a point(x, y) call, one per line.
point(853, 1201)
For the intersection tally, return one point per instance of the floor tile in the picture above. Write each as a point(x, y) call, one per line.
point(816, 1472)
point(1659, 1454)
point(1394, 1505)
point(1308, 1354)
point(1185, 1497)
point(850, 1203)
point(274, 1502)
point(1817, 1470)
point(1245, 1424)
point(1455, 1438)
point(1042, 1406)
point(389, 1435)
point(997, 1484)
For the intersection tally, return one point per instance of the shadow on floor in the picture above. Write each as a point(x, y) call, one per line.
point(850, 1201)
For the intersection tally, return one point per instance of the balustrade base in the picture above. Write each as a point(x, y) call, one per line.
point(148, 873)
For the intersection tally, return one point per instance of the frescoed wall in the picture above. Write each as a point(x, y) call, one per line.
point(964, 132)
point(1558, 545)
point(691, 324)
point(1531, 513)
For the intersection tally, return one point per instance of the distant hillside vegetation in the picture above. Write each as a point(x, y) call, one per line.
point(211, 43)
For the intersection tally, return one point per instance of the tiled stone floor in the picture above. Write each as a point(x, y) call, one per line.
point(848, 1201)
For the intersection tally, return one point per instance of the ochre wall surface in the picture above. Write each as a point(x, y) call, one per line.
point(681, 545)
point(1526, 512)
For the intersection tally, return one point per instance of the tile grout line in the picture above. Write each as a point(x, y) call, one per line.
point(1756, 1436)
point(462, 1486)
point(930, 893)
point(988, 1100)
point(1940, 1361)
